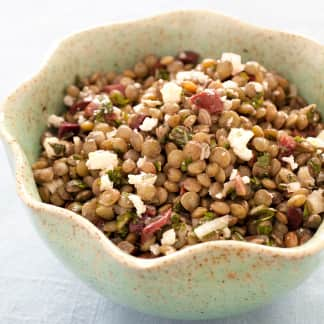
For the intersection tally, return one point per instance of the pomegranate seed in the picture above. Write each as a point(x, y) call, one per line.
point(209, 100)
point(111, 87)
point(188, 57)
point(287, 145)
point(68, 128)
point(78, 106)
point(295, 218)
point(136, 121)
point(90, 109)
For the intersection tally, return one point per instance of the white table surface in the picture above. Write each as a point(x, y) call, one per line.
point(34, 287)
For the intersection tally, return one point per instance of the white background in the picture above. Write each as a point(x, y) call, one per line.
point(34, 286)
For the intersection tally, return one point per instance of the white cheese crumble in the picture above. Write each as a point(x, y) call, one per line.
point(138, 108)
point(219, 195)
point(318, 141)
point(316, 201)
point(105, 183)
point(226, 232)
point(229, 84)
point(291, 161)
point(195, 76)
point(155, 249)
point(141, 161)
point(101, 99)
point(293, 186)
point(246, 179)
point(233, 175)
point(205, 151)
point(171, 92)
point(68, 101)
point(53, 185)
point(211, 226)
point(55, 121)
point(48, 142)
point(151, 103)
point(112, 133)
point(142, 179)
point(238, 139)
point(81, 119)
point(148, 124)
point(168, 237)
point(235, 59)
point(102, 160)
point(137, 203)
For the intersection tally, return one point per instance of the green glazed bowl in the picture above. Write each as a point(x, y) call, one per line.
point(208, 280)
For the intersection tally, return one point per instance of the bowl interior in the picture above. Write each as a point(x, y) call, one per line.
point(121, 45)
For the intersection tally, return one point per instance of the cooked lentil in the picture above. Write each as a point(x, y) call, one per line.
point(175, 152)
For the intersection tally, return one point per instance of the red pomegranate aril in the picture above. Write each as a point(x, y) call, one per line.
point(153, 227)
point(287, 145)
point(68, 128)
point(136, 121)
point(150, 211)
point(110, 117)
point(111, 87)
point(209, 100)
point(90, 109)
point(188, 57)
point(295, 218)
point(182, 190)
point(78, 106)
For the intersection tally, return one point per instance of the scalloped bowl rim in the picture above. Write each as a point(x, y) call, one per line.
point(315, 245)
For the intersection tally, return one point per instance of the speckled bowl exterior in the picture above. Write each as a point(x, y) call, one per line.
point(209, 280)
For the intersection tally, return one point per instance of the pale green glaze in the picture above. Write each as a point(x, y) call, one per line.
point(209, 280)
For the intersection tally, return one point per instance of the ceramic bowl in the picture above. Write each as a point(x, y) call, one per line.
point(208, 280)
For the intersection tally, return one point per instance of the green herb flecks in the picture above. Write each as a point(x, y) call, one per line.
point(118, 99)
point(184, 164)
point(264, 160)
point(255, 183)
point(264, 229)
point(163, 74)
point(178, 208)
point(158, 166)
point(209, 216)
point(257, 101)
point(59, 149)
point(299, 139)
point(123, 219)
point(316, 168)
point(306, 212)
point(180, 135)
point(116, 176)
point(175, 221)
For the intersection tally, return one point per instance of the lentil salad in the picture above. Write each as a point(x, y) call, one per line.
point(178, 151)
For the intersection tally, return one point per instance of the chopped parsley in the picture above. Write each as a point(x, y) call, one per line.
point(264, 160)
point(116, 176)
point(299, 139)
point(158, 166)
point(306, 212)
point(175, 220)
point(209, 215)
point(184, 164)
point(163, 74)
point(180, 135)
point(118, 99)
point(257, 101)
point(59, 149)
point(316, 168)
